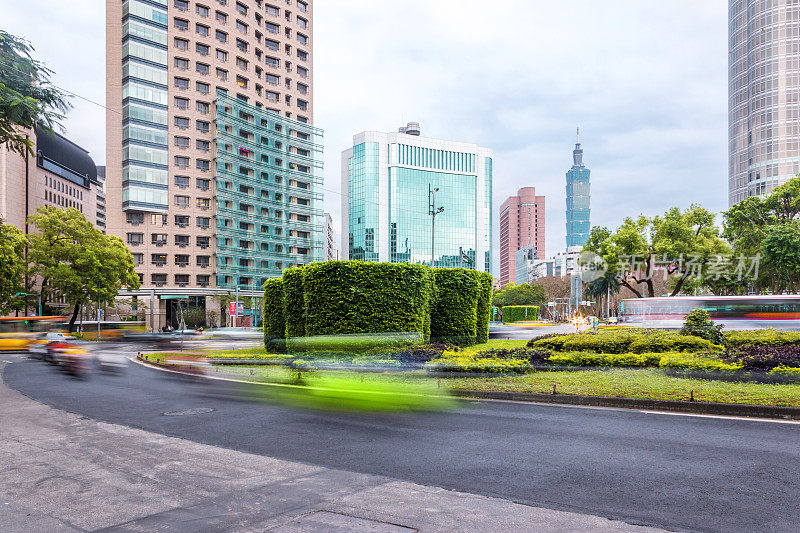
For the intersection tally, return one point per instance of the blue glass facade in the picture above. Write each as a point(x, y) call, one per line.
point(144, 107)
point(578, 200)
point(387, 216)
point(269, 202)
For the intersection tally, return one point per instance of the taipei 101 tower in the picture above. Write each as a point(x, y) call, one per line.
point(578, 198)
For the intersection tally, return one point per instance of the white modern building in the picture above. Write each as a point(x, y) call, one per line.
point(391, 185)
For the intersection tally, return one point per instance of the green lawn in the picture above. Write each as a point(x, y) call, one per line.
point(636, 383)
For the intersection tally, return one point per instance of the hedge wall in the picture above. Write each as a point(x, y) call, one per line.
point(274, 321)
point(517, 313)
point(347, 297)
point(484, 312)
point(294, 302)
point(454, 313)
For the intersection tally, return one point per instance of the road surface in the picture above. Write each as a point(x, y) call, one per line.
point(675, 472)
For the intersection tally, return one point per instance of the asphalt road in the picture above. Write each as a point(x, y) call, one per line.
point(676, 472)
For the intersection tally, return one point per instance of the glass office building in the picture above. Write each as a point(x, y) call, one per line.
point(763, 96)
point(392, 182)
point(578, 199)
point(269, 202)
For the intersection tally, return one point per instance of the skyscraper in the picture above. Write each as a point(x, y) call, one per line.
point(578, 199)
point(521, 225)
point(391, 182)
point(213, 167)
point(763, 96)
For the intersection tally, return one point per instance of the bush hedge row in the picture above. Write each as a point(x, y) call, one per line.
point(625, 341)
point(354, 297)
point(519, 313)
point(274, 320)
point(761, 337)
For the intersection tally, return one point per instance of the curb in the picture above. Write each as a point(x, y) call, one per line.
point(707, 408)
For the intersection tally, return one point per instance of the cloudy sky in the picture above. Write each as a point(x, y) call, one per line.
point(645, 81)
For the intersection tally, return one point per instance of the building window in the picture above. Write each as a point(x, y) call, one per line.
point(241, 45)
point(222, 55)
point(158, 239)
point(203, 146)
point(302, 104)
point(201, 29)
point(158, 220)
point(134, 219)
point(302, 39)
point(241, 81)
point(222, 74)
point(158, 280)
point(203, 280)
point(181, 260)
point(182, 123)
point(182, 241)
point(302, 88)
point(203, 222)
point(204, 203)
point(302, 56)
point(203, 242)
point(181, 5)
point(181, 64)
point(302, 6)
point(181, 24)
point(135, 239)
point(181, 201)
point(241, 26)
point(222, 17)
point(303, 23)
point(181, 44)
point(272, 45)
point(272, 10)
point(221, 36)
point(202, 49)
point(201, 10)
point(138, 259)
point(241, 63)
point(182, 182)
point(181, 280)
point(272, 79)
point(182, 142)
point(182, 103)
point(181, 162)
point(203, 164)
point(302, 72)
point(203, 261)
point(203, 126)
point(203, 88)
point(202, 68)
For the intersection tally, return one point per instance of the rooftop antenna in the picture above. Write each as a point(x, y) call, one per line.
point(578, 136)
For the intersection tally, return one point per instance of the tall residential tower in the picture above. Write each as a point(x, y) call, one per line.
point(213, 169)
point(521, 226)
point(763, 96)
point(578, 198)
point(391, 182)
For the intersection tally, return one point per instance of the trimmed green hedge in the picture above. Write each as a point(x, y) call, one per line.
point(454, 313)
point(518, 313)
point(335, 298)
point(761, 337)
point(274, 321)
point(484, 312)
point(294, 302)
point(348, 297)
point(625, 341)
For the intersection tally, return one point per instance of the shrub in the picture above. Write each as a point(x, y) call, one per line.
point(532, 356)
point(761, 337)
point(695, 362)
point(699, 324)
point(274, 321)
point(454, 313)
point(351, 297)
point(294, 302)
point(624, 341)
point(766, 358)
point(517, 313)
point(484, 312)
point(596, 359)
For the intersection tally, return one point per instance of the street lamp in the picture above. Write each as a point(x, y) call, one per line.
point(433, 211)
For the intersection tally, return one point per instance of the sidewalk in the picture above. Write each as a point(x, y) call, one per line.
point(63, 472)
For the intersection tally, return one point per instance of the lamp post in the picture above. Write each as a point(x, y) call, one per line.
point(433, 211)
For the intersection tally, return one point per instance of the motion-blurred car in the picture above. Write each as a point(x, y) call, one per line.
point(234, 334)
point(110, 361)
point(45, 346)
point(73, 359)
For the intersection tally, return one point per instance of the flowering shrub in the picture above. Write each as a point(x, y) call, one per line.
point(766, 357)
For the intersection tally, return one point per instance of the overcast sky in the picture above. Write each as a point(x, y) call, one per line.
point(645, 81)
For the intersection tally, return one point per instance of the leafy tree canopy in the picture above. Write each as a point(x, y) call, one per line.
point(74, 260)
point(519, 295)
point(27, 96)
point(12, 246)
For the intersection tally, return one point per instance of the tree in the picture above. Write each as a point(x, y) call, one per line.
point(75, 261)
point(519, 295)
point(601, 290)
point(767, 227)
point(678, 243)
point(12, 267)
point(698, 324)
point(27, 97)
